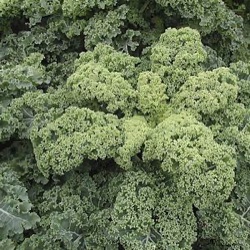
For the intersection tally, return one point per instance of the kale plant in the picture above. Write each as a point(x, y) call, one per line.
point(124, 125)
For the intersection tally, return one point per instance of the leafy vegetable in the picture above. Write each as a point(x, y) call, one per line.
point(124, 125)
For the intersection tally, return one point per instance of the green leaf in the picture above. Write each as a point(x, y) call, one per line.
point(15, 207)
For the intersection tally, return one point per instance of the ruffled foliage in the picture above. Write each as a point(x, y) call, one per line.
point(124, 125)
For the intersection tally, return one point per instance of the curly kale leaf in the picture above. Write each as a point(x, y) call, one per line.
point(175, 226)
point(15, 80)
point(67, 138)
point(208, 93)
point(92, 82)
point(135, 131)
point(36, 10)
point(177, 55)
point(242, 71)
point(15, 207)
point(200, 169)
point(66, 210)
point(213, 97)
point(208, 17)
point(111, 59)
point(224, 226)
point(80, 8)
point(7, 244)
point(152, 96)
point(9, 9)
point(21, 159)
point(132, 214)
point(104, 27)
